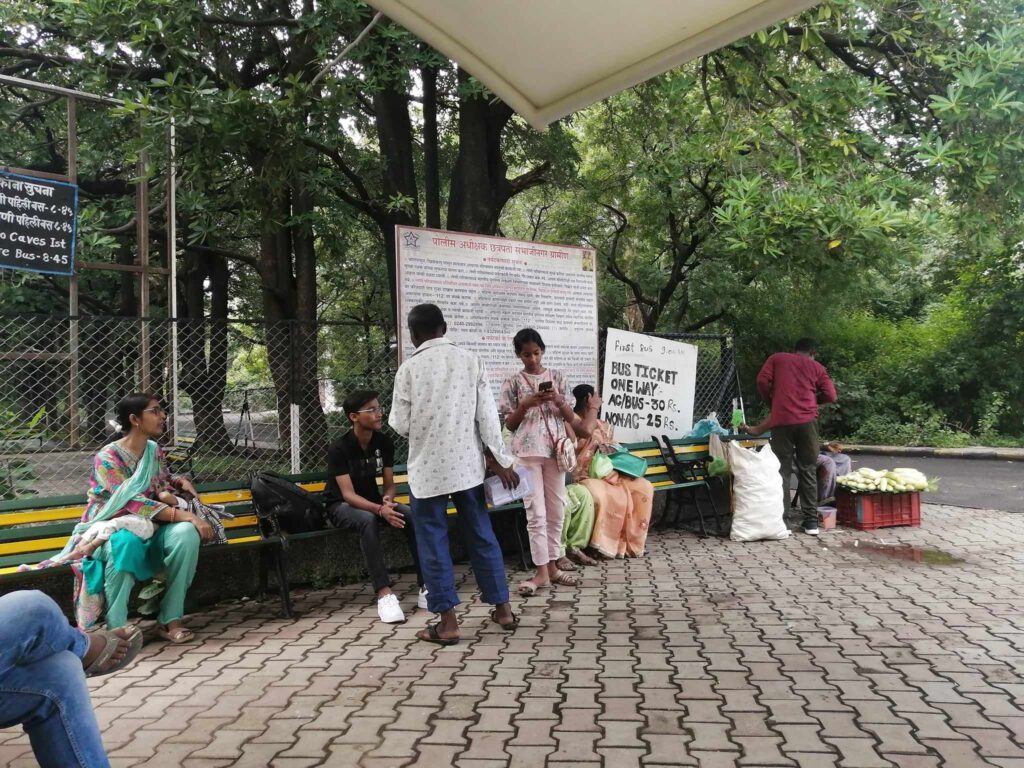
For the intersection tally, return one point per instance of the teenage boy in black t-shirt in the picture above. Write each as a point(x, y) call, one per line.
point(355, 502)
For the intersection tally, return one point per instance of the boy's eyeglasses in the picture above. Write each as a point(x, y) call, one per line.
point(375, 409)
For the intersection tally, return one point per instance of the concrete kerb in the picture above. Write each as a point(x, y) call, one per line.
point(976, 452)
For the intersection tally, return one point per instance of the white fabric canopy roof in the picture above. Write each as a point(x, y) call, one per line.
point(549, 58)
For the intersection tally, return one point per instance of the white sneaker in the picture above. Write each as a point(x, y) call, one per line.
point(389, 610)
point(421, 601)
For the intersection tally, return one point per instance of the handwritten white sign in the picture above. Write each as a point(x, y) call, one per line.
point(648, 386)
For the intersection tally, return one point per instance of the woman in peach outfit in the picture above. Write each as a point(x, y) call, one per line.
point(622, 504)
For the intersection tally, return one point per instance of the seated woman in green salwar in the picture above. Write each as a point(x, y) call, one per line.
point(578, 524)
point(135, 527)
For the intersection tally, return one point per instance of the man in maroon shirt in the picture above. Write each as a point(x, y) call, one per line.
point(795, 383)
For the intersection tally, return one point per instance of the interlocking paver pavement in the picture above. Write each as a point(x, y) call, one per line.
point(704, 653)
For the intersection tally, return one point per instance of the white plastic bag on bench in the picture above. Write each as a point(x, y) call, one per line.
point(756, 493)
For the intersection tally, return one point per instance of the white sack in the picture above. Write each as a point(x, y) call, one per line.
point(757, 494)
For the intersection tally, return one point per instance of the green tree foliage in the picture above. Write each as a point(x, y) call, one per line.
point(851, 173)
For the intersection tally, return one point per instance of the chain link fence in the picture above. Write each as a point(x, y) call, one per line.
point(240, 396)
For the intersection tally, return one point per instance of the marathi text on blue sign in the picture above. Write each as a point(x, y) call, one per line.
point(37, 224)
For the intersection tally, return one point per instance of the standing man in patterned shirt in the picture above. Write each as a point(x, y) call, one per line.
point(443, 404)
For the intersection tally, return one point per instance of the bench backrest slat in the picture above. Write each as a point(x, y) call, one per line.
point(36, 528)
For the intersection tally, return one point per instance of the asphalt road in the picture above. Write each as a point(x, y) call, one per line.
point(978, 483)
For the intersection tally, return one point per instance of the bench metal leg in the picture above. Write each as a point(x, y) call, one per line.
point(282, 584)
point(714, 508)
point(671, 497)
point(700, 512)
point(264, 573)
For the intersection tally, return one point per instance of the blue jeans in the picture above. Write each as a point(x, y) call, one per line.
point(42, 684)
point(430, 517)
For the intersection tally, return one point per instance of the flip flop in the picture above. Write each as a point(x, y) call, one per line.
point(526, 589)
point(177, 636)
point(434, 636)
point(109, 647)
point(508, 626)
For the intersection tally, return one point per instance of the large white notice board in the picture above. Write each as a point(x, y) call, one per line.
point(489, 288)
point(648, 386)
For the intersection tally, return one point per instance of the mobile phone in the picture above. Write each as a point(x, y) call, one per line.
point(545, 386)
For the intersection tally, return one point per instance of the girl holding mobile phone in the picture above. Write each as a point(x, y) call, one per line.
point(536, 408)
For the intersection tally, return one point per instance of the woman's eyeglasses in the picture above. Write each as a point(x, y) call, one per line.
point(156, 410)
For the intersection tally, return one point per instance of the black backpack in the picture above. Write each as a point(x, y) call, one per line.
point(279, 501)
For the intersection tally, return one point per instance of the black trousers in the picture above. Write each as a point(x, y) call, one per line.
point(367, 526)
point(799, 442)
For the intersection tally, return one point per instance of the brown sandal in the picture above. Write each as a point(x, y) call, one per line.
point(565, 564)
point(566, 579)
point(582, 558)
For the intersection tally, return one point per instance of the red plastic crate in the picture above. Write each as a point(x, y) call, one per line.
point(868, 511)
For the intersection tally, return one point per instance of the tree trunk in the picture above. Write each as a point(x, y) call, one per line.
point(479, 186)
point(278, 305)
point(287, 266)
point(203, 373)
point(306, 389)
point(431, 168)
point(394, 136)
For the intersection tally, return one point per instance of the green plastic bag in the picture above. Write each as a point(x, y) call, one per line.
point(628, 464)
point(718, 467)
point(600, 466)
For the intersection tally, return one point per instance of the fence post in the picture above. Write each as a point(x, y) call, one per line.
point(172, 279)
point(73, 309)
point(296, 450)
point(295, 430)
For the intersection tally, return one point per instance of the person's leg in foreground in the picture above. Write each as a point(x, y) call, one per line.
point(484, 554)
point(367, 526)
point(545, 509)
point(806, 450)
point(782, 445)
point(179, 551)
point(536, 524)
point(555, 502)
point(826, 471)
point(410, 539)
point(638, 519)
point(611, 506)
point(42, 679)
point(436, 563)
point(578, 525)
point(117, 588)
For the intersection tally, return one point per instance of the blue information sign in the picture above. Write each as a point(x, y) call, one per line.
point(38, 218)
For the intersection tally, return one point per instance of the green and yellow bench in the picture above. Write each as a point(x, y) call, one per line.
point(34, 529)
